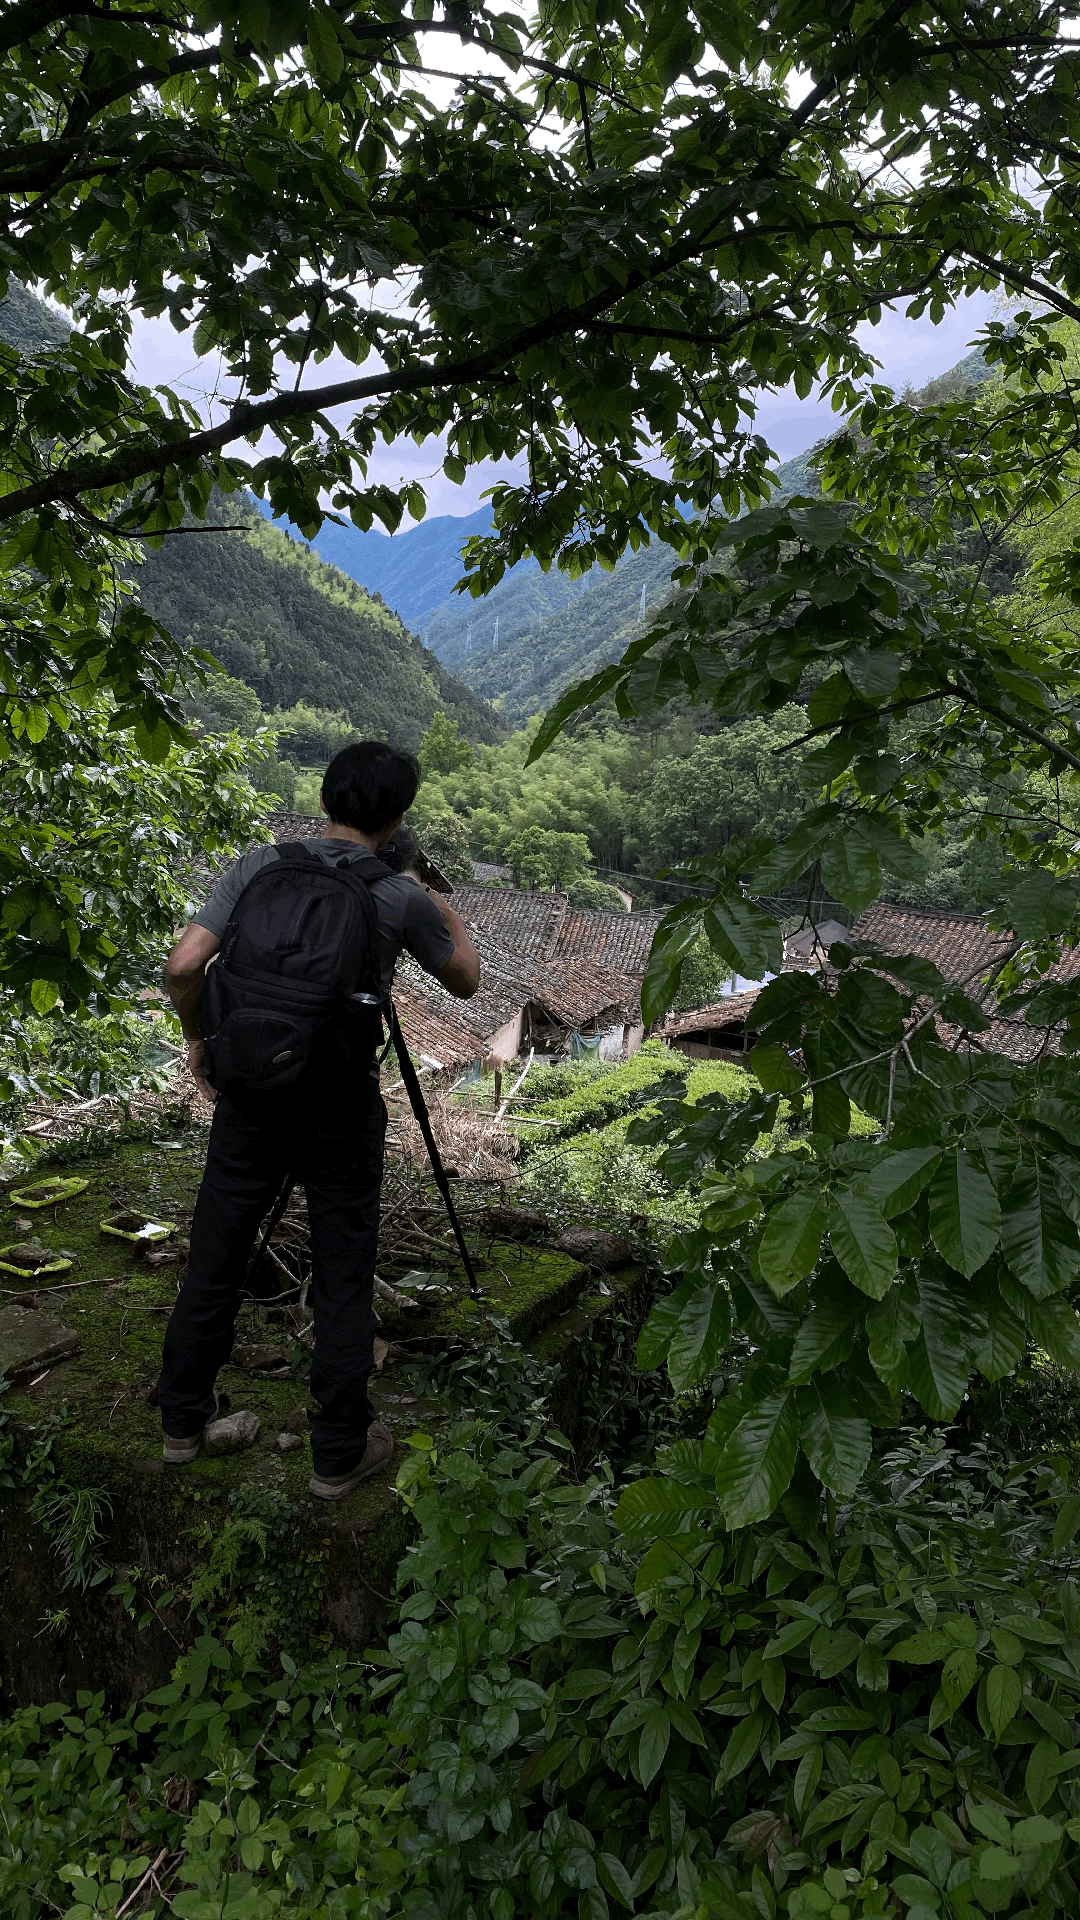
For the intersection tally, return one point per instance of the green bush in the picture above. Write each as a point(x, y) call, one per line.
point(275, 778)
point(591, 893)
point(595, 1703)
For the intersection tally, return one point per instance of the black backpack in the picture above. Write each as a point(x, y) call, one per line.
point(294, 992)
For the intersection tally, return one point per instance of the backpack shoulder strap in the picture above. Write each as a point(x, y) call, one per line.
point(295, 853)
point(362, 866)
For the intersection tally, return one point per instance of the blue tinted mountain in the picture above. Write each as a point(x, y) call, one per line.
point(414, 571)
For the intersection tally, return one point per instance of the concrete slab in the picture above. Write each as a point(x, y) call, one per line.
point(30, 1340)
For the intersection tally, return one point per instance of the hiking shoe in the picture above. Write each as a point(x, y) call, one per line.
point(181, 1453)
point(379, 1449)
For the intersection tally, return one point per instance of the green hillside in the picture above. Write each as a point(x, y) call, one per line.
point(296, 630)
point(27, 324)
point(275, 616)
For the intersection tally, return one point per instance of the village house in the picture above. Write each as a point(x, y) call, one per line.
point(553, 978)
point(964, 949)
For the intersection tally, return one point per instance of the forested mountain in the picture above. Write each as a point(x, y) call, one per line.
point(414, 571)
point(27, 323)
point(551, 629)
point(291, 627)
point(276, 616)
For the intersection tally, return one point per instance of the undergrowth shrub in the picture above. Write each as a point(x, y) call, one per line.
point(594, 1702)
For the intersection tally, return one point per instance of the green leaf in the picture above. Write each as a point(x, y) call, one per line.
point(499, 1726)
point(873, 672)
point(897, 1181)
point(759, 1459)
point(832, 1649)
point(1003, 1342)
point(614, 1879)
point(742, 1747)
point(652, 1745)
point(997, 1863)
point(700, 1335)
point(889, 1327)
point(1040, 1777)
point(660, 1506)
point(965, 1218)
point(1038, 1239)
point(789, 1247)
point(670, 947)
point(1003, 1695)
point(538, 1619)
point(872, 1672)
point(1036, 1831)
point(44, 995)
point(774, 1682)
point(958, 1675)
point(583, 694)
point(775, 1069)
point(850, 867)
point(862, 1242)
point(922, 1649)
point(326, 48)
point(787, 861)
point(744, 936)
point(655, 1335)
point(836, 1441)
point(1055, 1326)
point(831, 1114)
point(939, 1360)
point(825, 1338)
point(807, 1775)
point(1041, 903)
point(1067, 1522)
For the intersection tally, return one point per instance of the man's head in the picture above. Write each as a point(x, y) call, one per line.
point(368, 786)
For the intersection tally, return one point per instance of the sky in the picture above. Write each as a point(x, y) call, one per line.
point(908, 350)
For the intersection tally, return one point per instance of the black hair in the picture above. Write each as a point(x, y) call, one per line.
point(400, 852)
point(368, 784)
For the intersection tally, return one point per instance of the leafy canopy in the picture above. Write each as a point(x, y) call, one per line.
point(625, 224)
point(860, 1271)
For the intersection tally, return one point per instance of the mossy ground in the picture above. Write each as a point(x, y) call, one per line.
point(107, 1433)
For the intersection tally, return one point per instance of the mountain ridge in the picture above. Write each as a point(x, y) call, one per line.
point(536, 632)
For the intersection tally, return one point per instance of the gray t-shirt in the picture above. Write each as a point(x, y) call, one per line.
point(404, 916)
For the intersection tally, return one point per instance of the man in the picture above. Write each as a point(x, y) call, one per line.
point(326, 1132)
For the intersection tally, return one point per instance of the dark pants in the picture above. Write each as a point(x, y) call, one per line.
point(340, 1167)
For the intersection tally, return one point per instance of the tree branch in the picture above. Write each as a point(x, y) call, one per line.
point(29, 17)
point(1016, 276)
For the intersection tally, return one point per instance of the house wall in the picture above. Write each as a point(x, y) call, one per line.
point(633, 1039)
point(698, 1050)
point(505, 1043)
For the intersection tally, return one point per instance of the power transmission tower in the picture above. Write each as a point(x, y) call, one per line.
point(495, 641)
point(641, 609)
point(468, 638)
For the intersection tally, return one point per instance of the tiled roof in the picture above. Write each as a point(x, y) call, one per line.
point(734, 1010)
point(547, 927)
point(960, 945)
point(964, 950)
point(523, 922)
point(295, 826)
point(618, 940)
